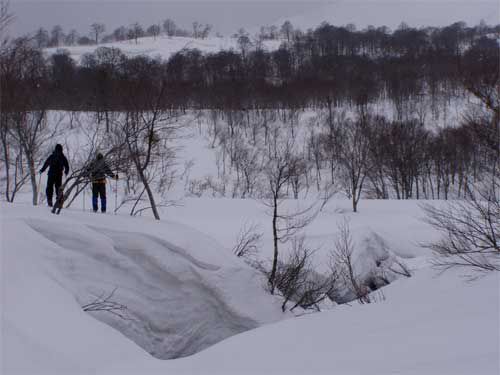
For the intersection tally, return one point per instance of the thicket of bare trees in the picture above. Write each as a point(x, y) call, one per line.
point(24, 128)
point(254, 100)
point(247, 95)
point(471, 226)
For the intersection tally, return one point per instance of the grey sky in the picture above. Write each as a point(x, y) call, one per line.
point(225, 16)
point(228, 15)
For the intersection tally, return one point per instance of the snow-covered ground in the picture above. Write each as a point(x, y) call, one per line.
point(182, 290)
point(162, 46)
point(188, 297)
point(185, 291)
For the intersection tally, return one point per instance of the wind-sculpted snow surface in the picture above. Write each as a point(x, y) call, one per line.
point(182, 285)
point(173, 306)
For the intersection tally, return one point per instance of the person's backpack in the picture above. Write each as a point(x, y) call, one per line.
point(56, 163)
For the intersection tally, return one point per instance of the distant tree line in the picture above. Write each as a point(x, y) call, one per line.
point(327, 66)
point(57, 37)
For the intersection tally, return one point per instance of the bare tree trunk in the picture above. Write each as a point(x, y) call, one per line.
point(34, 185)
point(275, 243)
point(6, 157)
point(150, 194)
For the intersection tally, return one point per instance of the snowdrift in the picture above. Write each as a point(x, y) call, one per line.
point(181, 296)
point(185, 292)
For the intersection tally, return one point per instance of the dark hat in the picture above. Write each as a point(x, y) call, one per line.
point(58, 148)
point(99, 156)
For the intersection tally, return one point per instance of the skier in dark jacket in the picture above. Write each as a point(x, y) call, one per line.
point(98, 171)
point(56, 163)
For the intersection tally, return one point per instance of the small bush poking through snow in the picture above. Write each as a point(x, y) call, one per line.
point(248, 241)
point(298, 283)
point(105, 303)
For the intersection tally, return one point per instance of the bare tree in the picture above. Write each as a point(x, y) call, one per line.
point(135, 32)
point(287, 30)
point(31, 130)
point(154, 31)
point(147, 131)
point(24, 106)
point(280, 168)
point(71, 38)
point(244, 41)
point(205, 31)
point(169, 27)
point(16, 174)
point(196, 29)
point(353, 155)
point(42, 38)
point(120, 34)
point(56, 36)
point(96, 30)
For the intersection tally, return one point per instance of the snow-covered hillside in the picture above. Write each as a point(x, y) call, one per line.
point(187, 292)
point(162, 46)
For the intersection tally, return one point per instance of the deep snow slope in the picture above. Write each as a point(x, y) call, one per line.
point(428, 325)
point(185, 292)
point(182, 291)
point(179, 283)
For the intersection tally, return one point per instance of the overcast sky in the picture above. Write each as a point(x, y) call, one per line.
point(228, 15)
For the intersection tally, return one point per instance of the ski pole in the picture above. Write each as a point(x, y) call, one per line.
point(116, 193)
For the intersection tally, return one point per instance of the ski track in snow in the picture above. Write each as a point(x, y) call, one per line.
point(174, 307)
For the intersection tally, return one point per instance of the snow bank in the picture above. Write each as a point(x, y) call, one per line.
point(182, 294)
point(428, 324)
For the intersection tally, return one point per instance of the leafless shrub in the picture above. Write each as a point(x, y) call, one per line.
point(297, 283)
point(106, 304)
point(248, 241)
point(342, 263)
point(471, 230)
point(198, 187)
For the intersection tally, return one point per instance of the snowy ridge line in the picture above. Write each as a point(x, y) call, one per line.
point(163, 47)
